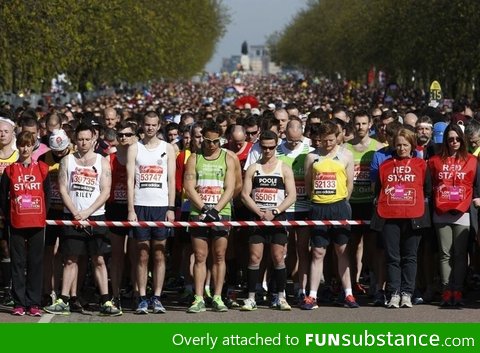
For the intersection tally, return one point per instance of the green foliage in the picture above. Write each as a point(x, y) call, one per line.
point(106, 41)
point(437, 39)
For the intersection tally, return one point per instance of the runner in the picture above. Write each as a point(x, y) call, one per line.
point(210, 184)
point(151, 197)
point(269, 189)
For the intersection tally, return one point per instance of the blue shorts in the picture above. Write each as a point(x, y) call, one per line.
point(152, 214)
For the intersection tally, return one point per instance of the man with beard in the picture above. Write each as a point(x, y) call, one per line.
point(426, 148)
point(424, 129)
point(363, 148)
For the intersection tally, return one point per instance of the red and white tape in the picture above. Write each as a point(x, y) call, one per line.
point(177, 224)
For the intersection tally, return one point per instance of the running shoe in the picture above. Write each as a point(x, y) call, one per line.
point(457, 298)
point(158, 308)
point(58, 308)
point(394, 302)
point(350, 302)
point(34, 311)
point(198, 306)
point(218, 305)
point(447, 297)
point(142, 307)
point(309, 303)
point(18, 311)
point(406, 300)
point(249, 305)
point(108, 309)
point(283, 305)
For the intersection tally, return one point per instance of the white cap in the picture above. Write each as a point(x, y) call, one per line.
point(58, 140)
point(255, 111)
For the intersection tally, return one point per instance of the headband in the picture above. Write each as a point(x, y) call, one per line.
point(6, 120)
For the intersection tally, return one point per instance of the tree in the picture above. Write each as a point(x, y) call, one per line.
point(106, 41)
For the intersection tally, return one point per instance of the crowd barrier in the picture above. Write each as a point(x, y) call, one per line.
point(177, 224)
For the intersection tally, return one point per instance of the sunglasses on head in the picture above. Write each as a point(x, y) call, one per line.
point(125, 134)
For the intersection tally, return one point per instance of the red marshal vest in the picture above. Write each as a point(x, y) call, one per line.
point(402, 183)
point(453, 181)
point(27, 197)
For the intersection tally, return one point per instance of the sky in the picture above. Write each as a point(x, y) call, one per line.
point(253, 21)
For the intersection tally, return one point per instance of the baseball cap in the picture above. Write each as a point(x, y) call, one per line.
point(58, 140)
point(438, 130)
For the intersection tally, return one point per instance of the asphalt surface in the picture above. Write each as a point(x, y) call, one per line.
point(325, 313)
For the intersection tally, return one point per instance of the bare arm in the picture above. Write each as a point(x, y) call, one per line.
point(190, 181)
point(228, 185)
point(349, 171)
point(238, 174)
point(247, 191)
point(171, 165)
point(63, 188)
point(308, 174)
point(290, 189)
point(131, 156)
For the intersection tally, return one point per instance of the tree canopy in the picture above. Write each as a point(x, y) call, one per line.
point(431, 40)
point(106, 41)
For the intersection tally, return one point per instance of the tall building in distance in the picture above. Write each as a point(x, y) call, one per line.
point(260, 63)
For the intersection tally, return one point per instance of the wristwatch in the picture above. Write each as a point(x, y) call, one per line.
point(275, 212)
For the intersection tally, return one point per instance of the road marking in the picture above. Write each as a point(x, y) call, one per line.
point(46, 318)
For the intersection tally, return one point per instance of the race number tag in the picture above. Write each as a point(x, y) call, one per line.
point(210, 195)
point(26, 201)
point(399, 191)
point(454, 193)
point(325, 184)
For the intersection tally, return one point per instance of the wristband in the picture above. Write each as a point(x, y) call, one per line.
point(171, 208)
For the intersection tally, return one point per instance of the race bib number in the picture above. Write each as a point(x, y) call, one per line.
point(84, 179)
point(325, 184)
point(300, 188)
point(263, 195)
point(150, 176)
point(120, 195)
point(210, 195)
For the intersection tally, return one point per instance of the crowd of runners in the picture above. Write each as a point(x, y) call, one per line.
point(248, 148)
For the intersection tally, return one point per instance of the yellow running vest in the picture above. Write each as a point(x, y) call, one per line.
point(329, 180)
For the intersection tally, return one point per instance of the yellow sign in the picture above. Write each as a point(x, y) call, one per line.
point(435, 91)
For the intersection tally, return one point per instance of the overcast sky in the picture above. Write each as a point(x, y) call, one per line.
point(253, 21)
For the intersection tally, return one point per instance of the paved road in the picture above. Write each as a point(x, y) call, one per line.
point(326, 313)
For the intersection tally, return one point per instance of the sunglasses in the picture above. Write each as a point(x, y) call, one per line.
point(268, 148)
point(215, 141)
point(125, 134)
point(250, 133)
point(454, 139)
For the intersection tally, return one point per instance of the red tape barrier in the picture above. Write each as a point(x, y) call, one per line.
point(177, 224)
